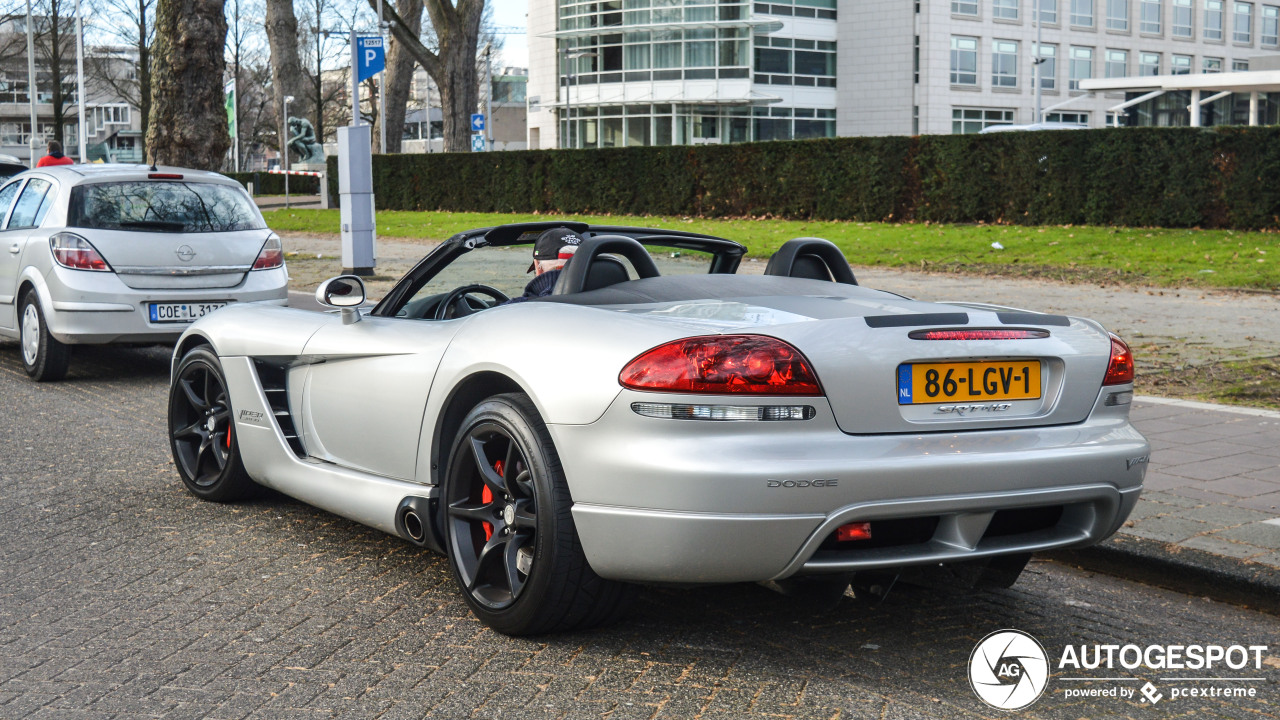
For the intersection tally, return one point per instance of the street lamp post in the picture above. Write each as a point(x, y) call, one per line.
point(568, 98)
point(1038, 59)
point(284, 147)
point(31, 84)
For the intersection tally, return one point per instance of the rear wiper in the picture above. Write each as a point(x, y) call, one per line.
point(160, 225)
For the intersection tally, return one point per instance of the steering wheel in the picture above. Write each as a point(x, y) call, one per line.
point(456, 304)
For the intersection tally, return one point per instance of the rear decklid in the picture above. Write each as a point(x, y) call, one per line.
point(166, 231)
point(867, 347)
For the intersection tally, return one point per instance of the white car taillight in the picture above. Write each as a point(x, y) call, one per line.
point(72, 251)
point(271, 256)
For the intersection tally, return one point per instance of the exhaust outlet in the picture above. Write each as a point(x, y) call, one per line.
point(414, 522)
point(413, 526)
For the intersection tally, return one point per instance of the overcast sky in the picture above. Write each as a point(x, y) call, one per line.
point(511, 14)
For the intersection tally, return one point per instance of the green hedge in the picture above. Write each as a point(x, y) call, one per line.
point(1169, 177)
point(272, 184)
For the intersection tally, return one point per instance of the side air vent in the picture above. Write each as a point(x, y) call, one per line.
point(272, 378)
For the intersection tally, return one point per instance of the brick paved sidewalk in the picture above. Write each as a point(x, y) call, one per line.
point(1214, 479)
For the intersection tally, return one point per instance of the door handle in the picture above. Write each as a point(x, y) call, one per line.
point(14, 248)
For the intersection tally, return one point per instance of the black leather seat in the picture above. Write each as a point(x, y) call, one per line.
point(591, 269)
point(812, 259)
point(604, 271)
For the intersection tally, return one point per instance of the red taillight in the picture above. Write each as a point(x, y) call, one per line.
point(271, 255)
point(853, 531)
point(1120, 369)
point(720, 364)
point(978, 334)
point(164, 176)
point(72, 251)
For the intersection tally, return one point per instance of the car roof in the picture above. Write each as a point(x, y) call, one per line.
point(104, 172)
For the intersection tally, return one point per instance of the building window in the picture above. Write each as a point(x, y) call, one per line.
point(915, 61)
point(1117, 63)
point(1148, 64)
point(1181, 65)
point(964, 7)
point(1239, 65)
point(965, 121)
point(1182, 15)
point(805, 63)
point(1211, 65)
point(824, 9)
point(1243, 28)
point(964, 60)
point(1118, 15)
point(915, 119)
point(1212, 19)
point(1075, 118)
point(1048, 11)
point(1004, 63)
point(1082, 13)
point(1081, 67)
point(1048, 67)
point(1149, 22)
point(774, 123)
point(1004, 9)
point(1270, 25)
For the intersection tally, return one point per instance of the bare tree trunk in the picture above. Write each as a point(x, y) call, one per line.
point(453, 66)
point(400, 67)
point(144, 69)
point(286, 68)
point(188, 110)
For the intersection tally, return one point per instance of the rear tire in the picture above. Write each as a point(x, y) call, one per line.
point(509, 530)
point(43, 357)
point(201, 431)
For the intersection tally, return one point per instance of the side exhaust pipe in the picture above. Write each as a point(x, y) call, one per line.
point(414, 522)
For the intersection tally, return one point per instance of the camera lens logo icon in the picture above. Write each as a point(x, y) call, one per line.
point(1008, 670)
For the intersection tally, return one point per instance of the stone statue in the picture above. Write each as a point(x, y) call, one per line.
point(303, 142)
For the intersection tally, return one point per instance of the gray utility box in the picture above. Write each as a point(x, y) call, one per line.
point(355, 189)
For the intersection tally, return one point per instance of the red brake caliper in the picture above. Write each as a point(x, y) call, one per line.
point(486, 497)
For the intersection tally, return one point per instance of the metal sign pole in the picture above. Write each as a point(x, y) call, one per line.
point(382, 90)
point(84, 153)
point(355, 83)
point(32, 89)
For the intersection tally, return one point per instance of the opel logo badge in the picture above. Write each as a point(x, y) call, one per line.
point(185, 253)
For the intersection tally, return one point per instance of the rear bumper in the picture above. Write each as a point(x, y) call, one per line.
point(692, 501)
point(98, 308)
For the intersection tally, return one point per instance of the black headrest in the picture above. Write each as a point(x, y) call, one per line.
point(605, 271)
point(811, 258)
point(574, 277)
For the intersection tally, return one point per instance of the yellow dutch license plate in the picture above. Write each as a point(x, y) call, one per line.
point(921, 383)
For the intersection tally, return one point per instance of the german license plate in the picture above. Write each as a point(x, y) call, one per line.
point(922, 383)
point(182, 312)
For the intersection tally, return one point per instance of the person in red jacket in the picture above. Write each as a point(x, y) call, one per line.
point(55, 156)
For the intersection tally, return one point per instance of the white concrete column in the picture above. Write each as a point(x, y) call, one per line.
point(1253, 108)
point(1195, 108)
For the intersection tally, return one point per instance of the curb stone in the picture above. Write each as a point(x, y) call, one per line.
point(1180, 568)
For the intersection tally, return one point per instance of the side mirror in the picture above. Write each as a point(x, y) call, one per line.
point(345, 292)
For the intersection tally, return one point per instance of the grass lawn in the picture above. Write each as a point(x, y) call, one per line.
point(1171, 258)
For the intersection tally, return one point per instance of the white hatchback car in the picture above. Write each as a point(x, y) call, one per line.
point(97, 254)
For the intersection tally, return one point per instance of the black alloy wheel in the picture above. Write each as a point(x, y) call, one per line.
point(201, 430)
point(493, 517)
point(509, 530)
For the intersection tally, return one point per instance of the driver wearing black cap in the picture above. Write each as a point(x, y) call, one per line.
point(552, 250)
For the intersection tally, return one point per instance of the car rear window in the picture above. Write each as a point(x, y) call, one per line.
point(189, 207)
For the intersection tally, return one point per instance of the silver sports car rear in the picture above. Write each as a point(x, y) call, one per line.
point(685, 428)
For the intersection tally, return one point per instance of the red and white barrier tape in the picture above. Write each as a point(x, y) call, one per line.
point(295, 172)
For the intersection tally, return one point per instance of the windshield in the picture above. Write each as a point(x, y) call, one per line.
point(177, 207)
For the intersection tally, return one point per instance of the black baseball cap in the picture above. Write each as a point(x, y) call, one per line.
point(555, 244)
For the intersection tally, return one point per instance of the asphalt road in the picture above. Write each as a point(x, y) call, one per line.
point(121, 595)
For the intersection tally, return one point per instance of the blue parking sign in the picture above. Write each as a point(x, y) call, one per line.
point(477, 122)
point(477, 143)
point(371, 56)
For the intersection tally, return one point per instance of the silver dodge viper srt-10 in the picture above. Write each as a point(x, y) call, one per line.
point(659, 418)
